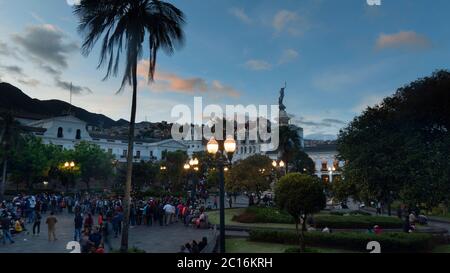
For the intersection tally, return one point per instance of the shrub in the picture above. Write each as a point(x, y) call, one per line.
point(353, 212)
point(297, 250)
point(356, 222)
point(334, 220)
point(263, 215)
point(390, 242)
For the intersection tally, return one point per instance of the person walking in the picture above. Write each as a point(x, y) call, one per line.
point(116, 224)
point(6, 225)
point(78, 221)
point(37, 223)
point(51, 224)
point(107, 230)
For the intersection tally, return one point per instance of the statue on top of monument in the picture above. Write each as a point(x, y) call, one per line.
point(281, 99)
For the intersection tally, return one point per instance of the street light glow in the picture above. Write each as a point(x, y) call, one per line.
point(230, 145)
point(212, 146)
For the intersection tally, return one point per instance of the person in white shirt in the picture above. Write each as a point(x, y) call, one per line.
point(170, 212)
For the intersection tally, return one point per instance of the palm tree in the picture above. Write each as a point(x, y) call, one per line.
point(289, 144)
point(124, 25)
point(9, 136)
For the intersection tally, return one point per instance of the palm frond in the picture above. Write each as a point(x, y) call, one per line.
point(122, 25)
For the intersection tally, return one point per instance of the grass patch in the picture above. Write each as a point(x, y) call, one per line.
point(442, 249)
point(213, 217)
point(242, 245)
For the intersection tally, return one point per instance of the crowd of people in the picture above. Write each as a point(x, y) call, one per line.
point(96, 218)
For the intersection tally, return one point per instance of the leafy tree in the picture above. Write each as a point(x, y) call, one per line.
point(399, 148)
point(289, 145)
point(302, 163)
point(212, 179)
point(123, 25)
point(300, 195)
point(32, 163)
point(174, 161)
point(9, 138)
point(143, 174)
point(251, 174)
point(94, 163)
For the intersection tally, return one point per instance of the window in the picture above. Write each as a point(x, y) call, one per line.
point(78, 136)
point(125, 153)
point(138, 154)
point(60, 132)
point(151, 154)
point(242, 150)
point(110, 151)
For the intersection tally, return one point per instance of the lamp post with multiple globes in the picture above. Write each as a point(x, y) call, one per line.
point(192, 165)
point(229, 147)
point(70, 168)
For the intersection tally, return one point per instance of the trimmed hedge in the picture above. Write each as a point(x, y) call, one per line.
point(355, 219)
point(356, 222)
point(297, 250)
point(353, 212)
point(263, 215)
point(390, 242)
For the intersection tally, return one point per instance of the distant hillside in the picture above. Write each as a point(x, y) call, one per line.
point(12, 98)
point(323, 137)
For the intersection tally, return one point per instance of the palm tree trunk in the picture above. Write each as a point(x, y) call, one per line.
point(127, 198)
point(3, 183)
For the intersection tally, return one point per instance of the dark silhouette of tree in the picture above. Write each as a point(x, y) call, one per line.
point(401, 147)
point(10, 135)
point(300, 195)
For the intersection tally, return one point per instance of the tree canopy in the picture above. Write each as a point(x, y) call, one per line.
point(400, 148)
point(251, 174)
point(300, 195)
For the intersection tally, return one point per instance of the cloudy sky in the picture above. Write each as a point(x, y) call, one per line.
point(337, 57)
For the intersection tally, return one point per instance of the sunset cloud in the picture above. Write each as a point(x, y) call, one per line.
point(171, 82)
point(408, 39)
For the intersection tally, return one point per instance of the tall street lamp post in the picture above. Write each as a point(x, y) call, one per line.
point(229, 147)
point(192, 165)
point(69, 166)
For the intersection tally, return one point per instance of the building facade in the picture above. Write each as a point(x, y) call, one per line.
point(327, 166)
point(67, 131)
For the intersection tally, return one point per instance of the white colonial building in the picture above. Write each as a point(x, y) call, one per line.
point(325, 159)
point(67, 131)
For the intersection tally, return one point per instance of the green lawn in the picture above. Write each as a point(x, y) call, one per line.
point(442, 249)
point(242, 245)
point(441, 216)
point(229, 213)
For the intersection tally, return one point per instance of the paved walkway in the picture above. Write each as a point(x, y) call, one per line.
point(154, 239)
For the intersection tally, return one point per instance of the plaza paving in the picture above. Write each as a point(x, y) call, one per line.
point(152, 239)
